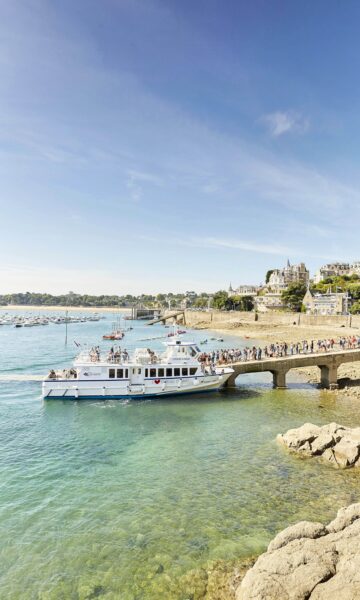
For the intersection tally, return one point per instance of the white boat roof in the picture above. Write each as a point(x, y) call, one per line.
point(177, 342)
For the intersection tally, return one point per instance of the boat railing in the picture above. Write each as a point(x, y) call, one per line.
point(101, 357)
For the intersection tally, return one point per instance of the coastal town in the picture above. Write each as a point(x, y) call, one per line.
point(334, 289)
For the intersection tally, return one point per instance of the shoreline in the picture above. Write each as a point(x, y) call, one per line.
point(98, 309)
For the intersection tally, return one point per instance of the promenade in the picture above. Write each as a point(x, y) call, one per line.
point(279, 359)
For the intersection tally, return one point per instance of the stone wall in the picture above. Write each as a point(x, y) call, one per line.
point(216, 318)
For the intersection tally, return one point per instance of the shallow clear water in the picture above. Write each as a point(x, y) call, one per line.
point(120, 500)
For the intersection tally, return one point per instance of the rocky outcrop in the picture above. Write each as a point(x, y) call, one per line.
point(309, 561)
point(337, 445)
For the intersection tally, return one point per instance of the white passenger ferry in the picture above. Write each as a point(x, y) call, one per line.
point(144, 374)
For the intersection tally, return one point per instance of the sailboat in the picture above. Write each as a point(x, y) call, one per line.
point(116, 333)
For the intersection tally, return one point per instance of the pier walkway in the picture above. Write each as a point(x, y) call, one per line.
point(328, 363)
point(168, 315)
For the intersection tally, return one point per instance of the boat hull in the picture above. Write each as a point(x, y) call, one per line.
point(104, 390)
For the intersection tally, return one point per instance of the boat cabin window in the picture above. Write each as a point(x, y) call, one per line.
point(121, 373)
point(161, 372)
point(168, 372)
point(184, 371)
point(152, 372)
point(193, 370)
point(146, 372)
point(192, 351)
point(176, 372)
point(111, 373)
point(136, 371)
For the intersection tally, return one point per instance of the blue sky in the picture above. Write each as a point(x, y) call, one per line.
point(152, 145)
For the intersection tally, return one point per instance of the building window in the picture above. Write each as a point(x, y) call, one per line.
point(111, 373)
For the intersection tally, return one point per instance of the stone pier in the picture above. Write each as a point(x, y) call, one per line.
point(279, 379)
point(328, 363)
point(329, 376)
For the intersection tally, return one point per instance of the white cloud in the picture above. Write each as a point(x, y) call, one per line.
point(280, 122)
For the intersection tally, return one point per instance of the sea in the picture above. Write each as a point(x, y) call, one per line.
point(132, 500)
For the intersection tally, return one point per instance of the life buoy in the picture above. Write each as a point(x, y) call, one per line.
point(157, 380)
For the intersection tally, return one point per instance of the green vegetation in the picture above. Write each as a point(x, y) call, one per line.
point(342, 283)
point(73, 299)
point(220, 300)
point(294, 295)
point(268, 275)
point(243, 303)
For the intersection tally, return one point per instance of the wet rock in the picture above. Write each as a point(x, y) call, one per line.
point(333, 443)
point(303, 529)
point(305, 449)
point(322, 442)
point(309, 560)
point(329, 456)
point(346, 452)
point(294, 438)
point(160, 569)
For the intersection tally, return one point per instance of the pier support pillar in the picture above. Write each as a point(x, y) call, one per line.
point(279, 379)
point(329, 377)
point(231, 381)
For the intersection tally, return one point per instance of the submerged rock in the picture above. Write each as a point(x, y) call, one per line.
point(333, 443)
point(309, 560)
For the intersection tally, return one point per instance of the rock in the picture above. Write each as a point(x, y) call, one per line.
point(309, 560)
point(333, 443)
point(322, 442)
point(294, 438)
point(305, 449)
point(344, 518)
point(328, 456)
point(346, 452)
point(160, 569)
point(335, 430)
point(303, 529)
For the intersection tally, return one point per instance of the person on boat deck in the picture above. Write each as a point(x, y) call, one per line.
point(52, 374)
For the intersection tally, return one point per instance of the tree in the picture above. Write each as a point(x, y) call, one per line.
point(294, 295)
point(201, 302)
point(244, 303)
point(355, 309)
point(268, 275)
point(220, 299)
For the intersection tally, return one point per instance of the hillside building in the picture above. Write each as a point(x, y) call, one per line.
point(332, 270)
point(326, 304)
point(272, 301)
point(243, 290)
point(280, 279)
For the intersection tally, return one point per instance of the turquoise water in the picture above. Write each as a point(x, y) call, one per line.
point(121, 500)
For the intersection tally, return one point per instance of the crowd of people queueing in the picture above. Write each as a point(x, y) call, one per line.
point(278, 350)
